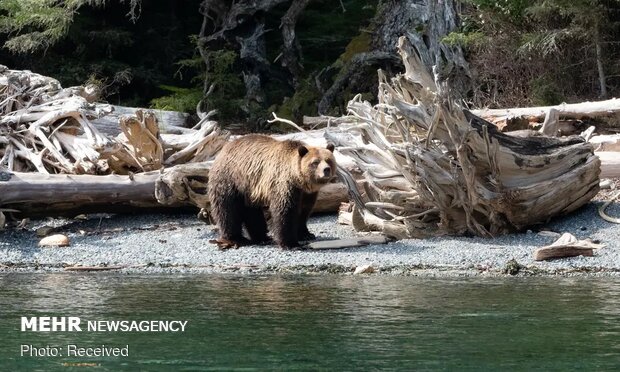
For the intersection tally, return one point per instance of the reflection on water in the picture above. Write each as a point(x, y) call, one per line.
point(323, 322)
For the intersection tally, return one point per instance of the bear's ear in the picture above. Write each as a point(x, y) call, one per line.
point(303, 150)
point(330, 147)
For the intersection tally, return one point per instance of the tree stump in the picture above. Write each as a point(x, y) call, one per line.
point(433, 168)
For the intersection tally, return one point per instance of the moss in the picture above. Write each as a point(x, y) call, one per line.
point(359, 44)
point(465, 39)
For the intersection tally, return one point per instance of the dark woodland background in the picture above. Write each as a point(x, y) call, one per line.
point(309, 57)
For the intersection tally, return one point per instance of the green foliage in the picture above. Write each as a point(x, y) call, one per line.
point(181, 99)
point(324, 30)
point(227, 96)
point(546, 92)
point(465, 39)
point(128, 60)
point(38, 24)
point(513, 9)
point(540, 51)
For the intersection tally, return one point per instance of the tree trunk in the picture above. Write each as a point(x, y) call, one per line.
point(291, 49)
point(602, 80)
point(397, 18)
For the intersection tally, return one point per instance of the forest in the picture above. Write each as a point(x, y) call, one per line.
point(247, 59)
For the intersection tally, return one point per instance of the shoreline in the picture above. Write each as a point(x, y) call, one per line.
point(178, 244)
point(312, 270)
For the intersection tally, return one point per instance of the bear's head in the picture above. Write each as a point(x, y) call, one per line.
point(318, 165)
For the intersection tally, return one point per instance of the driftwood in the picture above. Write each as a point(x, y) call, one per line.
point(49, 129)
point(433, 168)
point(348, 243)
point(38, 195)
point(170, 121)
point(566, 246)
point(55, 161)
point(609, 142)
point(607, 112)
point(611, 161)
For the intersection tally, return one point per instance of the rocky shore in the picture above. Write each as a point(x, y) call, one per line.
point(180, 243)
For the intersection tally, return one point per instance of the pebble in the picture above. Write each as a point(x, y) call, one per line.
point(57, 240)
point(606, 183)
point(364, 269)
point(44, 231)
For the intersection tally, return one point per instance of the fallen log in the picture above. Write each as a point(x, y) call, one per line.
point(45, 195)
point(170, 121)
point(610, 164)
point(181, 186)
point(607, 111)
point(608, 142)
point(433, 168)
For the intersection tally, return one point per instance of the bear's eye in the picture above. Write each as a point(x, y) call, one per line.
point(316, 162)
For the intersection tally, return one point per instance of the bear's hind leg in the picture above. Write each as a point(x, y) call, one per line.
point(227, 210)
point(255, 225)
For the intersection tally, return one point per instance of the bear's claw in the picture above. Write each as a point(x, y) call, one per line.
point(224, 244)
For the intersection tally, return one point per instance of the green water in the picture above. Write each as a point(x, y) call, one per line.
point(321, 322)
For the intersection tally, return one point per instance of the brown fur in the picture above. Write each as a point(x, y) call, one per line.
point(256, 171)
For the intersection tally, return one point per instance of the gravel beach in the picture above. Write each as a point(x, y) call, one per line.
point(180, 242)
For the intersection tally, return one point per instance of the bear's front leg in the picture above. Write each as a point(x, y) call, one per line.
point(285, 212)
point(307, 203)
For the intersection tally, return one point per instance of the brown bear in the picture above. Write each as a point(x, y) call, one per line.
point(257, 171)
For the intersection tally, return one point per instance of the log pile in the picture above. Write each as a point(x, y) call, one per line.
point(432, 168)
point(48, 129)
point(61, 155)
point(54, 160)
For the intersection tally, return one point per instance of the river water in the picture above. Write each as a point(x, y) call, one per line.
point(323, 322)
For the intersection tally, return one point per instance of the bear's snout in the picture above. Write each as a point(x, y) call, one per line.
point(325, 172)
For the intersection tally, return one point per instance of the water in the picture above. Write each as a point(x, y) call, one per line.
point(321, 322)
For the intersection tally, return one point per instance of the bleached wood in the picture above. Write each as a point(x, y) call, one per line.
point(608, 109)
point(610, 164)
point(37, 195)
point(432, 168)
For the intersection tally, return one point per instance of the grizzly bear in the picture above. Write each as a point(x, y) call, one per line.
point(257, 171)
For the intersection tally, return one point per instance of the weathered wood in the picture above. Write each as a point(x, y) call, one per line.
point(608, 110)
point(40, 195)
point(314, 122)
point(169, 121)
point(610, 164)
point(181, 186)
point(609, 142)
point(432, 168)
point(548, 253)
point(348, 243)
point(566, 246)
